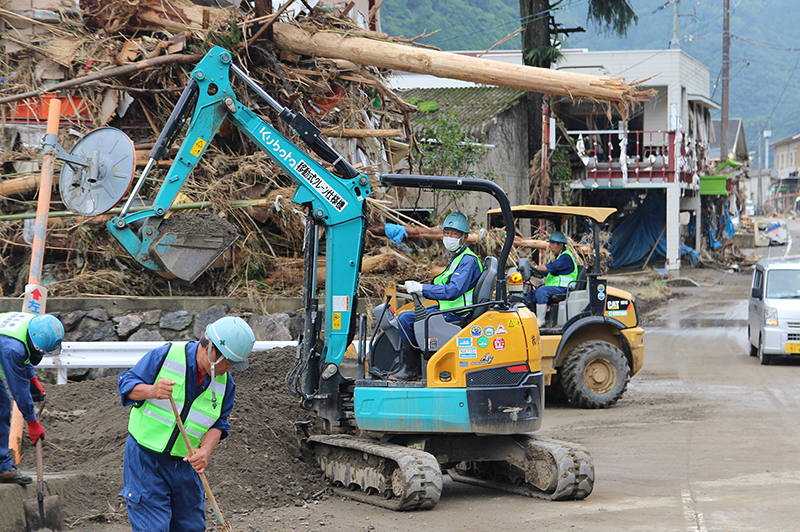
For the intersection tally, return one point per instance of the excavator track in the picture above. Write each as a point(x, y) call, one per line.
point(552, 470)
point(383, 474)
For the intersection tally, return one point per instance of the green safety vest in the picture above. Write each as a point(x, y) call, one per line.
point(465, 298)
point(15, 325)
point(153, 424)
point(563, 280)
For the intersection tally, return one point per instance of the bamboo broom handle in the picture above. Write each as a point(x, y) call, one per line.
point(202, 475)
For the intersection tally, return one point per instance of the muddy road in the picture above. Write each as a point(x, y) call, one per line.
point(705, 439)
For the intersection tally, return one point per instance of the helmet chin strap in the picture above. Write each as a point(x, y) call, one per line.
point(213, 375)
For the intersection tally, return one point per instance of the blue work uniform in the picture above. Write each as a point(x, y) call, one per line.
point(163, 492)
point(18, 378)
point(562, 265)
point(464, 278)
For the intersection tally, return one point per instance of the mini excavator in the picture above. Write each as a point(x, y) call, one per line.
point(481, 395)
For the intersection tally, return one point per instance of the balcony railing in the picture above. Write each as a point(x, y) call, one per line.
point(651, 157)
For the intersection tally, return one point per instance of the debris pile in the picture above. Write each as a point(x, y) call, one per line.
point(126, 64)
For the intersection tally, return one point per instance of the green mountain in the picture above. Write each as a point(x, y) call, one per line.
point(765, 49)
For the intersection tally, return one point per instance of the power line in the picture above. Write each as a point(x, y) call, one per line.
point(764, 45)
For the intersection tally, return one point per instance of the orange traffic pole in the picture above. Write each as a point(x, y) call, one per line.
point(37, 253)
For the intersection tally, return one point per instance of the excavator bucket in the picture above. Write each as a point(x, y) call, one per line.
point(189, 243)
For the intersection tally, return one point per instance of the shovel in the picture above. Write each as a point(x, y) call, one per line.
point(224, 525)
point(42, 513)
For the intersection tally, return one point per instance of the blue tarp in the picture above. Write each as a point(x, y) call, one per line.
point(633, 239)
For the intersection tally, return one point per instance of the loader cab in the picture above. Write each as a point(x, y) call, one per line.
point(576, 301)
point(591, 340)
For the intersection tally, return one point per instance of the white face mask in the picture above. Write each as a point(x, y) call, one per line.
point(450, 243)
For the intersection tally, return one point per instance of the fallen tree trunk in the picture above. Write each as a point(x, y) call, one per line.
point(453, 66)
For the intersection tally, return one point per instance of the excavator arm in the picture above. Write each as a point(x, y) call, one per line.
point(187, 247)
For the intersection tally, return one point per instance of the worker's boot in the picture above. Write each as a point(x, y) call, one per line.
point(13, 476)
point(410, 364)
point(541, 312)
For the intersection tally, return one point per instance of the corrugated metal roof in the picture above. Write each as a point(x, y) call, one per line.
point(476, 107)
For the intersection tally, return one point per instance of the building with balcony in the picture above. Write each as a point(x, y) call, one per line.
point(661, 146)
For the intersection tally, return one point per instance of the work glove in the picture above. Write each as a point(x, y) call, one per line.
point(37, 390)
point(413, 287)
point(35, 431)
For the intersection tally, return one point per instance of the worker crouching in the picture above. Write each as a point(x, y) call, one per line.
point(24, 338)
point(162, 486)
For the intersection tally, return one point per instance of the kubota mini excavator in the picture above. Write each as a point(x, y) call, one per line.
point(482, 391)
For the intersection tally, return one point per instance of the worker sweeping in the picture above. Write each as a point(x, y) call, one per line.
point(24, 338)
point(161, 483)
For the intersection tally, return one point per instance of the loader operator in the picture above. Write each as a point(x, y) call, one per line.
point(24, 338)
point(452, 288)
point(161, 481)
point(560, 273)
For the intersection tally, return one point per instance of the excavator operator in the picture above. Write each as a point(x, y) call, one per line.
point(452, 288)
point(560, 273)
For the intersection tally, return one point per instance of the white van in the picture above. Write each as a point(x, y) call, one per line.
point(773, 323)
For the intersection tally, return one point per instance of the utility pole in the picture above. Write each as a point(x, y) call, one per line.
point(726, 63)
point(758, 196)
point(674, 42)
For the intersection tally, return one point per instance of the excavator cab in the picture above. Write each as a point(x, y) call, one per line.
point(591, 341)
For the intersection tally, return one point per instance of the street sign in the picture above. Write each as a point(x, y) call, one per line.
point(35, 299)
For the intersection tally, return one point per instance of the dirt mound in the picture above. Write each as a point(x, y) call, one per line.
point(258, 465)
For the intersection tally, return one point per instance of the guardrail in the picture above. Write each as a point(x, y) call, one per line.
point(87, 355)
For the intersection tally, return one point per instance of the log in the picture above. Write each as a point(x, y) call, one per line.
point(379, 263)
point(472, 238)
point(453, 66)
point(105, 74)
point(19, 185)
point(362, 133)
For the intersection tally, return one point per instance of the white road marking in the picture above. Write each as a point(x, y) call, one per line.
point(695, 522)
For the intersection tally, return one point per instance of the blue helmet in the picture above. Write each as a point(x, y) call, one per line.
point(559, 237)
point(457, 221)
point(234, 338)
point(46, 332)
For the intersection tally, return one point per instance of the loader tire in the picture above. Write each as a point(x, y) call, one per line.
point(595, 375)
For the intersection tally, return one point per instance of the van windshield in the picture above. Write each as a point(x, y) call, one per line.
point(783, 284)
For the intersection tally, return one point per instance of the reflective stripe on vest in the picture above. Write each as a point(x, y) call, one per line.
point(563, 280)
point(153, 424)
point(15, 325)
point(465, 298)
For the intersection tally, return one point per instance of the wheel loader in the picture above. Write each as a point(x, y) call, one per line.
point(481, 396)
point(591, 342)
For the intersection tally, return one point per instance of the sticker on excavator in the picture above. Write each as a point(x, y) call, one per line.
point(197, 149)
point(341, 303)
point(336, 321)
point(514, 324)
point(321, 186)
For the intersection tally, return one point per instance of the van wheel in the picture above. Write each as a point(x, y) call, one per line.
point(595, 375)
point(763, 358)
point(753, 349)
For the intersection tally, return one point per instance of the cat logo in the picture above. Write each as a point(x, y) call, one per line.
point(613, 305)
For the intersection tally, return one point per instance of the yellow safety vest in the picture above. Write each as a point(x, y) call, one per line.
point(465, 298)
point(153, 423)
